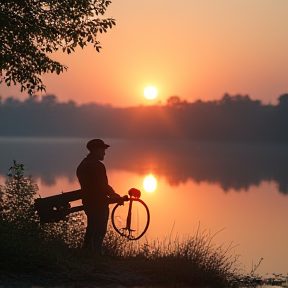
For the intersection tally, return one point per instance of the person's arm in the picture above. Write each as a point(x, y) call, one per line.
point(120, 200)
point(111, 193)
point(104, 180)
point(113, 196)
point(116, 198)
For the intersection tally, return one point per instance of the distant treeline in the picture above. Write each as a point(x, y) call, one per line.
point(236, 166)
point(233, 118)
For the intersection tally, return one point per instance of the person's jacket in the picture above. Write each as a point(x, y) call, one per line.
point(93, 180)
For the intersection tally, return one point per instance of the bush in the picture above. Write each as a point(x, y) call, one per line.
point(25, 243)
point(17, 197)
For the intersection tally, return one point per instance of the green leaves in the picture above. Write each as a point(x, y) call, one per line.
point(31, 30)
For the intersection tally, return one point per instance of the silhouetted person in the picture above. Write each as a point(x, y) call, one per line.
point(97, 194)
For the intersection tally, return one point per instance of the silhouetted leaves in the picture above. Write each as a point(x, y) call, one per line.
point(32, 29)
point(18, 196)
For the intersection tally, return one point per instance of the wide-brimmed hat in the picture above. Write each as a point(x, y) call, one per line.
point(96, 143)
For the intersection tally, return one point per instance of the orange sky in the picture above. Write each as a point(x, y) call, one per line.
point(196, 49)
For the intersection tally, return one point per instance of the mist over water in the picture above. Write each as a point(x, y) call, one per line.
point(231, 165)
point(240, 187)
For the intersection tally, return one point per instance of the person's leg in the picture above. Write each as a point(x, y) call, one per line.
point(100, 228)
point(88, 239)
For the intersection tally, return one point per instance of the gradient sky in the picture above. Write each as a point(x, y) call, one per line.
point(196, 49)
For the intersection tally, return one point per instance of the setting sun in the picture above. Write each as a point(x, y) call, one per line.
point(150, 92)
point(150, 183)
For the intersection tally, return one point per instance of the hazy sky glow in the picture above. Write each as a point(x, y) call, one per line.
point(196, 49)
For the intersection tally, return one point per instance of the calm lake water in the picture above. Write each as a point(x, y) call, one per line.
point(241, 188)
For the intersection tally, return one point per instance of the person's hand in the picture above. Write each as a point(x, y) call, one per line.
point(122, 199)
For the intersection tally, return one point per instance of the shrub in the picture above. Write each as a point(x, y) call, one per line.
point(17, 197)
point(25, 243)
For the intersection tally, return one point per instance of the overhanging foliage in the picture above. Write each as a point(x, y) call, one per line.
point(32, 29)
